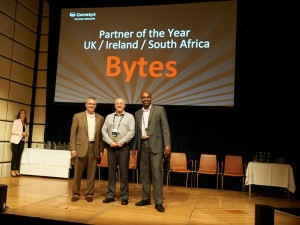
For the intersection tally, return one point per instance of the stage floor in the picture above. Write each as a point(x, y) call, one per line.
point(50, 198)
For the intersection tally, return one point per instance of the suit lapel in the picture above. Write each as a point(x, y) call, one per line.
point(84, 119)
point(97, 123)
point(139, 118)
point(152, 111)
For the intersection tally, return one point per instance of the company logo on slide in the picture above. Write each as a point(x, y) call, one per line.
point(83, 16)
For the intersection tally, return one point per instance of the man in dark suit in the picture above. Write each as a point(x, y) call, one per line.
point(86, 145)
point(152, 140)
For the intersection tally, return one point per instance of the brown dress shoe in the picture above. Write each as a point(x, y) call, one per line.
point(75, 198)
point(89, 198)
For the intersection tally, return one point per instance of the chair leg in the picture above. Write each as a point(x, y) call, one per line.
point(222, 181)
point(197, 179)
point(168, 178)
point(243, 187)
point(133, 173)
point(217, 182)
point(186, 181)
point(99, 172)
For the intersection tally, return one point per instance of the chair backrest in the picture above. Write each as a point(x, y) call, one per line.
point(233, 166)
point(103, 160)
point(208, 164)
point(132, 162)
point(178, 161)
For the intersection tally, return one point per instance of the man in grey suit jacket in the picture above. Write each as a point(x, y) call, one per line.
point(86, 145)
point(152, 140)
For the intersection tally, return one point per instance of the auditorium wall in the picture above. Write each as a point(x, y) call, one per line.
point(23, 70)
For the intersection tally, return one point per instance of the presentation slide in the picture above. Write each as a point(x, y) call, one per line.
point(184, 54)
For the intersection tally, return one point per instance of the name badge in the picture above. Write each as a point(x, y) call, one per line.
point(147, 131)
point(114, 133)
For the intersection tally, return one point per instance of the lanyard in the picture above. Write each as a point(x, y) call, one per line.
point(144, 120)
point(119, 121)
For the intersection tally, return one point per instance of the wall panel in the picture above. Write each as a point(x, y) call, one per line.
point(18, 27)
point(22, 74)
point(8, 7)
point(7, 131)
point(5, 65)
point(33, 5)
point(23, 55)
point(43, 60)
point(25, 36)
point(7, 153)
point(5, 170)
point(1, 151)
point(4, 84)
point(40, 98)
point(45, 26)
point(2, 130)
point(39, 115)
point(6, 46)
point(3, 111)
point(38, 133)
point(13, 109)
point(26, 17)
point(44, 43)
point(46, 9)
point(42, 78)
point(6, 25)
point(20, 93)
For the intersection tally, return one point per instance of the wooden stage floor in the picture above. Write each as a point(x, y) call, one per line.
point(50, 198)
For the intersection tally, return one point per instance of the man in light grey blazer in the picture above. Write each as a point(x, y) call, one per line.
point(86, 145)
point(152, 141)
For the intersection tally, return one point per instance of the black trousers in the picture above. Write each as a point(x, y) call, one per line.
point(118, 156)
point(17, 150)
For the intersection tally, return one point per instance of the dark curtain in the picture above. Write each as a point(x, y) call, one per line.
point(196, 130)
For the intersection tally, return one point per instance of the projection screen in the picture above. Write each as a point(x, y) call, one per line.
point(183, 53)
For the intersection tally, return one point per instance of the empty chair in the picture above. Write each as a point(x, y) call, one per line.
point(178, 164)
point(208, 165)
point(103, 161)
point(233, 167)
point(133, 166)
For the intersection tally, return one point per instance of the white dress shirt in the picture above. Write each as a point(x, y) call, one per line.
point(145, 121)
point(91, 120)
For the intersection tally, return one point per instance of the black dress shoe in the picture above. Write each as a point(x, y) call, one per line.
point(143, 202)
point(124, 202)
point(108, 200)
point(159, 207)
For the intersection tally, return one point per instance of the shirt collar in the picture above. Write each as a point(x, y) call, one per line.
point(120, 114)
point(144, 110)
point(90, 115)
